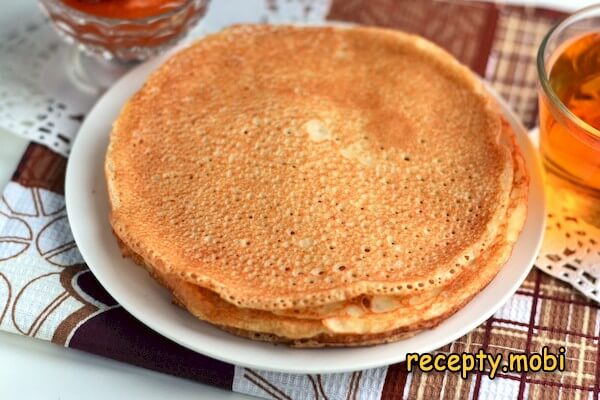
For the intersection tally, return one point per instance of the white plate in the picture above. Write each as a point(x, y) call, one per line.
point(131, 286)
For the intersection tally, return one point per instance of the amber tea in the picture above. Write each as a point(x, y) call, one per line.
point(571, 146)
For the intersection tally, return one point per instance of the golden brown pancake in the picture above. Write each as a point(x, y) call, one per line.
point(317, 186)
point(412, 314)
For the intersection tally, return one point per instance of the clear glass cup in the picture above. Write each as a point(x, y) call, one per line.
point(568, 65)
point(105, 46)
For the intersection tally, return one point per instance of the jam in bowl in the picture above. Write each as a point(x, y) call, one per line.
point(123, 30)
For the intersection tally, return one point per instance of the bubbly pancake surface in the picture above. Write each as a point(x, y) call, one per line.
point(286, 167)
point(354, 322)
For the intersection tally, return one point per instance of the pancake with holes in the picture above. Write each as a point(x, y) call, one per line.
point(316, 186)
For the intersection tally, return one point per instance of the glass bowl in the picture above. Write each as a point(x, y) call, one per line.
point(123, 40)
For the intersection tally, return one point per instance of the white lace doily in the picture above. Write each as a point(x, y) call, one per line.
point(571, 248)
point(37, 100)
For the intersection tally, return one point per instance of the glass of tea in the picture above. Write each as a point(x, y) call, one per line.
point(111, 35)
point(568, 65)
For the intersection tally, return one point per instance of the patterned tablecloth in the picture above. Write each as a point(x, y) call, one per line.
point(47, 292)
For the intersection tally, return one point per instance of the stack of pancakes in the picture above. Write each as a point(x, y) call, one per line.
point(317, 186)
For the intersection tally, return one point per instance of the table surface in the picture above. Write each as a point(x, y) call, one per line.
point(40, 369)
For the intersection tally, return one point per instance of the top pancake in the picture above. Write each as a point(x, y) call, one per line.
point(286, 167)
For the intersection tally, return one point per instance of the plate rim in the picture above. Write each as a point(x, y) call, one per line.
point(73, 196)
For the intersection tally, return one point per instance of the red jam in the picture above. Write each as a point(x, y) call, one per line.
point(125, 9)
